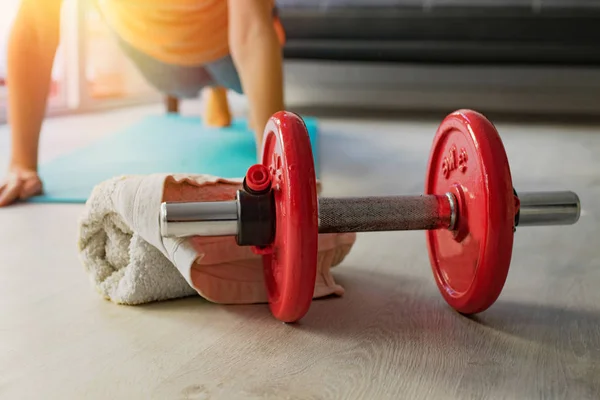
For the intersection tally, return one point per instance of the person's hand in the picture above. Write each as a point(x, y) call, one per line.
point(19, 184)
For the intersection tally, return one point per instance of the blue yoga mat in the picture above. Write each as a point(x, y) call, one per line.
point(156, 144)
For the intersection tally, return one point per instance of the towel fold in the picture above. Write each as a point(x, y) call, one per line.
point(129, 262)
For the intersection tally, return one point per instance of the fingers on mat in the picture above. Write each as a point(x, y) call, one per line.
point(9, 192)
point(31, 187)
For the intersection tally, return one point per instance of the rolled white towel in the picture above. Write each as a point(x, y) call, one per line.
point(129, 262)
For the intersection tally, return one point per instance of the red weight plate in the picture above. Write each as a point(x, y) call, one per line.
point(468, 159)
point(290, 266)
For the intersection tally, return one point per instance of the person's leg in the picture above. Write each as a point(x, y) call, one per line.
point(225, 75)
point(181, 82)
point(216, 107)
point(172, 105)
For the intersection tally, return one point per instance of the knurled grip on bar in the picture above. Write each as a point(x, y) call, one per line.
point(397, 213)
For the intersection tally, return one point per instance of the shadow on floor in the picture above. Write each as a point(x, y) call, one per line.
point(382, 307)
point(576, 329)
point(385, 307)
point(404, 320)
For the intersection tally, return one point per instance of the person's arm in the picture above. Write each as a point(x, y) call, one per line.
point(32, 44)
point(256, 52)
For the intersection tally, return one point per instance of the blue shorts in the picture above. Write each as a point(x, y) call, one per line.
point(183, 82)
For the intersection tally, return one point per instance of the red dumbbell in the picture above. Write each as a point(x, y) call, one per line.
point(469, 210)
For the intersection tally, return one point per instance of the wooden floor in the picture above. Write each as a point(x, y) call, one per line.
point(390, 337)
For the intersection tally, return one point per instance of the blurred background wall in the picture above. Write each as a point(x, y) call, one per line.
point(90, 73)
point(524, 56)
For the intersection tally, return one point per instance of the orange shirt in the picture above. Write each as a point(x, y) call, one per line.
point(181, 32)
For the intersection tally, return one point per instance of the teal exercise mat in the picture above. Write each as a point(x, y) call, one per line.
point(155, 144)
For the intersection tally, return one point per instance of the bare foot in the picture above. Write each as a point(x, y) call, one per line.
point(217, 112)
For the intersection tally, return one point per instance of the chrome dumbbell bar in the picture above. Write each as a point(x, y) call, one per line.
point(367, 214)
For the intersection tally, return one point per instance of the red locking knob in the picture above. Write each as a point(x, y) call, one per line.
point(258, 178)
